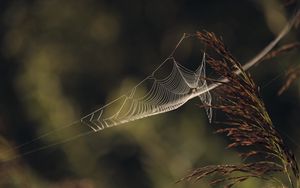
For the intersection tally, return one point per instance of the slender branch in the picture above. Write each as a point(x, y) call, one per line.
point(260, 55)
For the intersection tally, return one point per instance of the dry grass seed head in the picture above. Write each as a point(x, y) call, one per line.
point(247, 125)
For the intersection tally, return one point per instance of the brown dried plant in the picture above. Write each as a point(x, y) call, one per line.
point(247, 124)
point(292, 74)
point(283, 49)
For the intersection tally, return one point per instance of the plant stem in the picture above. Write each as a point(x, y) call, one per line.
point(260, 55)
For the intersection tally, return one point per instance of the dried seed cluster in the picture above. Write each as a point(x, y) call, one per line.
point(247, 125)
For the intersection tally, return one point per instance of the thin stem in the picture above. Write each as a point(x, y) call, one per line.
point(260, 55)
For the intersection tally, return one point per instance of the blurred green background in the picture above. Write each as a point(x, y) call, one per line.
point(61, 59)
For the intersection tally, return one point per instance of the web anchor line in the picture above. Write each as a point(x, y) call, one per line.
point(172, 92)
point(98, 120)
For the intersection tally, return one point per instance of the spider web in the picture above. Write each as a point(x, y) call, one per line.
point(164, 95)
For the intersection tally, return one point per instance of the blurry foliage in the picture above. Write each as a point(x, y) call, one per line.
point(61, 59)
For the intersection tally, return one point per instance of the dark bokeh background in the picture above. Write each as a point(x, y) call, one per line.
point(61, 59)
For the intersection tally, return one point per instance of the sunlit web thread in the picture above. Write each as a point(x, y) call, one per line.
point(188, 83)
point(165, 95)
point(195, 93)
